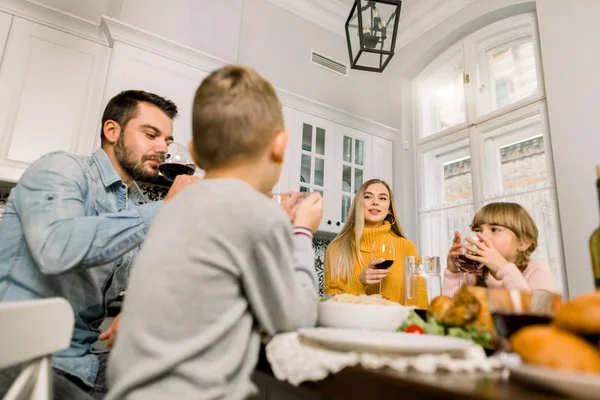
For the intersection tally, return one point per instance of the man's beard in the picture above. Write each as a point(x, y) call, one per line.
point(131, 165)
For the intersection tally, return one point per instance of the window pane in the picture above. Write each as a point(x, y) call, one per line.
point(359, 147)
point(305, 169)
point(523, 163)
point(319, 171)
point(347, 149)
point(346, 201)
point(447, 178)
point(307, 137)
point(457, 180)
point(304, 189)
point(514, 73)
point(358, 179)
point(320, 146)
point(347, 179)
point(515, 157)
point(441, 96)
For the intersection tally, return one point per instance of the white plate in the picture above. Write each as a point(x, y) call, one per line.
point(361, 316)
point(576, 384)
point(384, 342)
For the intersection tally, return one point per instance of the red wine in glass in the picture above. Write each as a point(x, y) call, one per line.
point(171, 170)
point(384, 264)
point(467, 265)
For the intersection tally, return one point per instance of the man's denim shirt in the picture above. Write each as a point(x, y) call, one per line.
point(70, 229)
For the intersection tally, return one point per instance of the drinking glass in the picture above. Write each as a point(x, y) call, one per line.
point(467, 267)
point(512, 310)
point(178, 161)
point(383, 248)
point(433, 273)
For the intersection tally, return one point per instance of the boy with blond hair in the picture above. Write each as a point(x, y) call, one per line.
point(221, 260)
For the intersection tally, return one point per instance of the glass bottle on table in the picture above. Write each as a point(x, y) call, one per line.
point(415, 283)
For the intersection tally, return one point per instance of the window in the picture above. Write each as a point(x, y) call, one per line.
point(482, 137)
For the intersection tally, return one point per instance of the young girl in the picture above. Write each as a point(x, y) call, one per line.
point(349, 268)
point(506, 238)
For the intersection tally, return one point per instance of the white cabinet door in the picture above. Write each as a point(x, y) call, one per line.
point(5, 20)
point(133, 68)
point(381, 165)
point(312, 157)
point(353, 163)
point(51, 87)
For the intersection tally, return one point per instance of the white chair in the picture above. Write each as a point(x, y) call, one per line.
point(30, 331)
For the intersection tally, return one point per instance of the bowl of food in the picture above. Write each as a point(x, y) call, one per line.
point(361, 312)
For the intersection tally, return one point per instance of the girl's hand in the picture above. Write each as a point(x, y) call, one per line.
point(485, 252)
point(453, 252)
point(372, 275)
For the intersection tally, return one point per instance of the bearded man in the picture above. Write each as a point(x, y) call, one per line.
point(74, 224)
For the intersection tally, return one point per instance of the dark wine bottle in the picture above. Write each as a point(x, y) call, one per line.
point(595, 241)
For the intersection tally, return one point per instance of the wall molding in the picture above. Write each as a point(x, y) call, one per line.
point(118, 31)
point(337, 115)
point(55, 19)
point(332, 15)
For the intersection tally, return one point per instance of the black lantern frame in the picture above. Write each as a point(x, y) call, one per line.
point(372, 34)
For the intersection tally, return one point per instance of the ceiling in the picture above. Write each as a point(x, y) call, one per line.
point(406, 4)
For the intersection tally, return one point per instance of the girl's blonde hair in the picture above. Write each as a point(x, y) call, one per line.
point(514, 217)
point(341, 250)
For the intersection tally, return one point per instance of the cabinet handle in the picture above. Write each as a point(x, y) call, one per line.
point(329, 222)
point(338, 223)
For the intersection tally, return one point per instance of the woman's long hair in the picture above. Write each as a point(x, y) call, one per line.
point(514, 217)
point(346, 244)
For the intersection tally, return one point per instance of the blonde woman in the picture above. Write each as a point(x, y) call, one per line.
point(507, 236)
point(349, 268)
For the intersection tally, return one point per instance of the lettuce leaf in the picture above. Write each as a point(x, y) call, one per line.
point(482, 338)
point(432, 327)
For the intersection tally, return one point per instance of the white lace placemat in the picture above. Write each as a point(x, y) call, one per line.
point(296, 362)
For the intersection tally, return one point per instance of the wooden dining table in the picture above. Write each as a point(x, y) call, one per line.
point(366, 384)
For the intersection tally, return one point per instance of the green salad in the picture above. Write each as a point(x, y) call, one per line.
point(432, 327)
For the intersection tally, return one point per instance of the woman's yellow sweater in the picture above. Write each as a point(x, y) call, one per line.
point(392, 285)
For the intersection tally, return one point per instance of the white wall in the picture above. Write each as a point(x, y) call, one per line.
point(258, 33)
point(277, 43)
point(571, 59)
point(209, 26)
point(88, 9)
point(569, 33)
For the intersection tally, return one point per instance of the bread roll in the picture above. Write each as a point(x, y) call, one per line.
point(580, 315)
point(438, 307)
point(551, 347)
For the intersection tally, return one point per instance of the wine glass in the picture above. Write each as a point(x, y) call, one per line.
point(383, 248)
point(178, 161)
point(467, 267)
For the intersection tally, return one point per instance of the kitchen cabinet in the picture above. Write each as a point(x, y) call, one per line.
point(51, 86)
point(334, 160)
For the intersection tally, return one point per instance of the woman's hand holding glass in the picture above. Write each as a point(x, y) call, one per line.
point(371, 274)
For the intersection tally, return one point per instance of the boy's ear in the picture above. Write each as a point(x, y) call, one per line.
point(112, 131)
point(193, 154)
point(279, 145)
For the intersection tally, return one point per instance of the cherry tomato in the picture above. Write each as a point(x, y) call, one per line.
point(414, 328)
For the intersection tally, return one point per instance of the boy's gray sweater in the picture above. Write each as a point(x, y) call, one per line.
point(219, 263)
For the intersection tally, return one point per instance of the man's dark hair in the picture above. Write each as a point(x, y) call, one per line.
point(123, 107)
